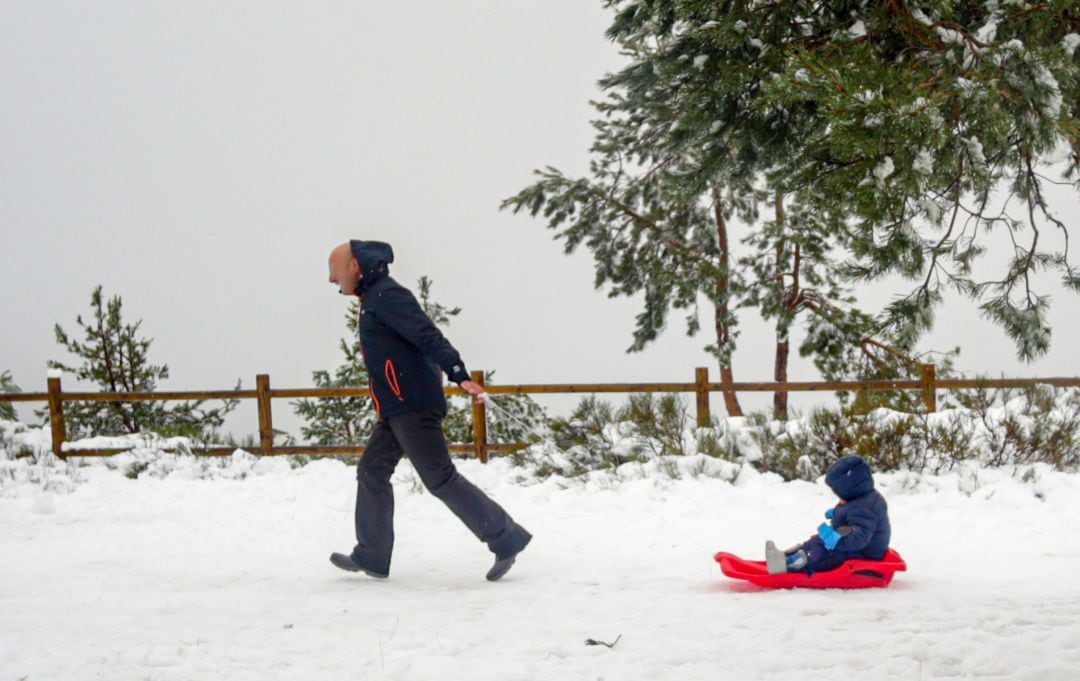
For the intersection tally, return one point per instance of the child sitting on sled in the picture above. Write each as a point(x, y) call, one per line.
point(858, 527)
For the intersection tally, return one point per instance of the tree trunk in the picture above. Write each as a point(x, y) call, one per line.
point(780, 399)
point(111, 378)
point(783, 346)
point(722, 310)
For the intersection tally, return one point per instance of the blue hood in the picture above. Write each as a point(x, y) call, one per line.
point(850, 477)
point(374, 258)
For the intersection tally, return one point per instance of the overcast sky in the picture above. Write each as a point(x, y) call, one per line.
point(202, 158)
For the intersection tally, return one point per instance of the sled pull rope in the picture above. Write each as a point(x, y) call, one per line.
point(659, 516)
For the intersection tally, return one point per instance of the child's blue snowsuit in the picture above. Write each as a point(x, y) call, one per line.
point(861, 519)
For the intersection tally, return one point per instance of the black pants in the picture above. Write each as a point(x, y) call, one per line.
point(419, 436)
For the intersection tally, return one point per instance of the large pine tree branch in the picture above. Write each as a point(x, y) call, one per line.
point(651, 225)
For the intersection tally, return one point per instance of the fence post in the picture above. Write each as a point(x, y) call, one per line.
point(929, 387)
point(701, 388)
point(266, 421)
point(479, 421)
point(56, 417)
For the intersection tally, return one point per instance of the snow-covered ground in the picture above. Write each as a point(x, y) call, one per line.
point(184, 577)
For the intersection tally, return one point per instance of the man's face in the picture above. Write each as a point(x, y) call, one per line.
point(344, 270)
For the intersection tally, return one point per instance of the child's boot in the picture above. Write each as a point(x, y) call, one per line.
point(775, 560)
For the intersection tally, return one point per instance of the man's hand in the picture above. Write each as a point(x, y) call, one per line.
point(477, 391)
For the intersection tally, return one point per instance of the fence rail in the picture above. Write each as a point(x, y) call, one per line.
point(928, 384)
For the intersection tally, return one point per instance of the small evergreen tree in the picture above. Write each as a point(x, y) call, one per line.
point(340, 420)
point(7, 385)
point(116, 359)
point(439, 313)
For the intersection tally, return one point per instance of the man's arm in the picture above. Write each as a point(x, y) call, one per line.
point(401, 311)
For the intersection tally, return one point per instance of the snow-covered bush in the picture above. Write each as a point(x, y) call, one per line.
point(648, 433)
point(26, 457)
point(1000, 428)
point(994, 428)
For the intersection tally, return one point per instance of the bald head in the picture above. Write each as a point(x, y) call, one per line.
point(344, 269)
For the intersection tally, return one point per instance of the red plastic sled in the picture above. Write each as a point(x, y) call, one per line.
point(854, 574)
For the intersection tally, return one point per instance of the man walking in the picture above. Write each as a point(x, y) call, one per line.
point(403, 352)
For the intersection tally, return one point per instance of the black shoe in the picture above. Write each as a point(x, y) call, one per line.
point(504, 563)
point(347, 563)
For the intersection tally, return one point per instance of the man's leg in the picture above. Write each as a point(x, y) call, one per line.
point(420, 434)
point(375, 501)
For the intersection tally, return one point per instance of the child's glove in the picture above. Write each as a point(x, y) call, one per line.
point(832, 511)
point(828, 535)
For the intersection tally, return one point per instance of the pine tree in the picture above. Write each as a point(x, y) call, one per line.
point(340, 420)
point(7, 385)
point(665, 181)
point(907, 117)
point(115, 358)
point(439, 313)
point(877, 132)
point(927, 109)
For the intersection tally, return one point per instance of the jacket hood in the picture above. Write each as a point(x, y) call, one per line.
point(849, 477)
point(374, 258)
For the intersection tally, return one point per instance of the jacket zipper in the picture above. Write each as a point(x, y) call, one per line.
point(391, 378)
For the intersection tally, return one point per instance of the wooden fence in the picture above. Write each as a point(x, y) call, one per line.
point(928, 384)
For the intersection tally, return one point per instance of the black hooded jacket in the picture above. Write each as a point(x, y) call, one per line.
point(403, 349)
